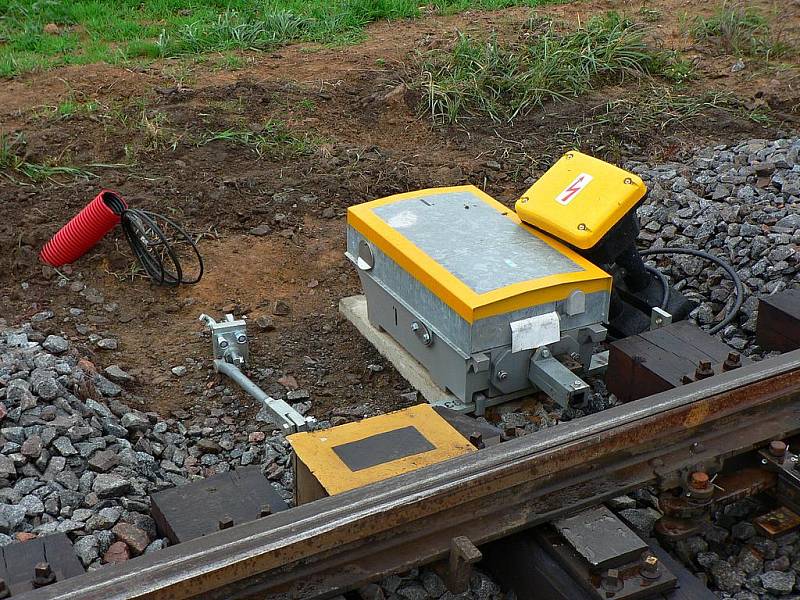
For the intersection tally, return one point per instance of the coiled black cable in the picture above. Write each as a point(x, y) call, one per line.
point(732, 274)
point(155, 249)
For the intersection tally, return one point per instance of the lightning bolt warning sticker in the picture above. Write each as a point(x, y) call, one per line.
point(573, 189)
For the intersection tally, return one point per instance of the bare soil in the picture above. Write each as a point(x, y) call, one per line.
point(367, 146)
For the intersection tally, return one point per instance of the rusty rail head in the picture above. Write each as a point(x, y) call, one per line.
point(332, 529)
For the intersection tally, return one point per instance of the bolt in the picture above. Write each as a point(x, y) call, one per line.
point(734, 361)
point(628, 181)
point(476, 439)
point(699, 480)
point(241, 339)
point(426, 337)
point(223, 344)
point(545, 353)
point(704, 370)
point(686, 379)
point(777, 448)
point(266, 510)
point(650, 567)
point(414, 326)
point(225, 522)
point(502, 375)
point(611, 582)
point(43, 575)
point(4, 591)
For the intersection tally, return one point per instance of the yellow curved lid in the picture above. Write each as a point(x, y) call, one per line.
point(579, 199)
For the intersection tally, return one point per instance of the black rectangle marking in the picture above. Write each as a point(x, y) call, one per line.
point(382, 448)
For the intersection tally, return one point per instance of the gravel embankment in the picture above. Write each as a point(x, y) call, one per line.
point(75, 459)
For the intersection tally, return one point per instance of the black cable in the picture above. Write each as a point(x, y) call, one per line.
point(664, 285)
point(154, 249)
point(732, 274)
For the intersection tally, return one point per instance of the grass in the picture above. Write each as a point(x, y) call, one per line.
point(739, 30)
point(274, 140)
point(38, 34)
point(503, 81)
point(13, 161)
point(72, 107)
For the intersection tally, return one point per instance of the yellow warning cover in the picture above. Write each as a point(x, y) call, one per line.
point(317, 449)
point(579, 199)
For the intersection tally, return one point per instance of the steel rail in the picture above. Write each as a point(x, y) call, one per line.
point(340, 542)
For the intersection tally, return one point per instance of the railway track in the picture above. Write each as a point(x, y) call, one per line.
point(342, 542)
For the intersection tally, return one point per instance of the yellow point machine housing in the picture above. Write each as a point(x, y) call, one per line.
point(488, 300)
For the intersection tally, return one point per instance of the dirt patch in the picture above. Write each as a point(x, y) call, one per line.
point(365, 142)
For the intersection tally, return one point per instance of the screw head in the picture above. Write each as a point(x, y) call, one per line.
point(43, 575)
point(777, 448)
point(611, 581)
point(734, 361)
point(241, 339)
point(699, 480)
point(414, 326)
point(704, 370)
point(502, 375)
point(650, 567)
point(224, 344)
point(42, 569)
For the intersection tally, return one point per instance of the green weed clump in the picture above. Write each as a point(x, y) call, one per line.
point(274, 140)
point(13, 162)
point(739, 30)
point(503, 81)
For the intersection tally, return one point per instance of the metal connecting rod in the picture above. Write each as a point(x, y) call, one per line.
point(231, 350)
point(287, 418)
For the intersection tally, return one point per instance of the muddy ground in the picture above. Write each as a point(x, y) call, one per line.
point(357, 141)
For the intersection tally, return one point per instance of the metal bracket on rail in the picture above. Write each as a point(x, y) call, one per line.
point(556, 380)
point(231, 351)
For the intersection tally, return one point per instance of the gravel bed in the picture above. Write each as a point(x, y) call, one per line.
point(77, 457)
point(739, 202)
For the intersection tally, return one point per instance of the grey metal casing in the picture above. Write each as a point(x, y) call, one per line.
point(465, 358)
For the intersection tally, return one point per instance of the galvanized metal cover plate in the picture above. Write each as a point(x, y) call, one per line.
point(473, 241)
point(601, 538)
